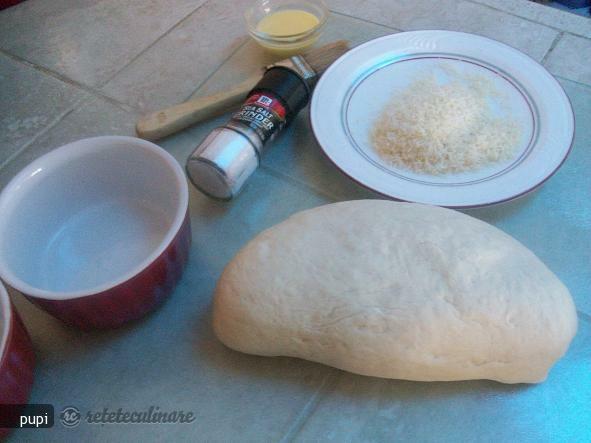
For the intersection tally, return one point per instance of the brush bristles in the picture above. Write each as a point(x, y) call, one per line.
point(321, 58)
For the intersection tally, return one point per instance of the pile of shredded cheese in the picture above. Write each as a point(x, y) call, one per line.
point(439, 127)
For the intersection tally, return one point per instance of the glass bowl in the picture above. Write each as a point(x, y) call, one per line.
point(285, 45)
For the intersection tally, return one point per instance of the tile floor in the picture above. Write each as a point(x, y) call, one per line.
point(73, 69)
point(584, 12)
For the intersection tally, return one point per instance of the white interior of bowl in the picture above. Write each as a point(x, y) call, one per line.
point(4, 319)
point(89, 216)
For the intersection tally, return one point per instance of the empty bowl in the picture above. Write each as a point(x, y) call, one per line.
point(96, 232)
point(16, 357)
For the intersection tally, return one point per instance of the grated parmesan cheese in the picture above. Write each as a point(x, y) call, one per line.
point(440, 128)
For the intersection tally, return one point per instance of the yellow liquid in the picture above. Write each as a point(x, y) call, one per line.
point(287, 22)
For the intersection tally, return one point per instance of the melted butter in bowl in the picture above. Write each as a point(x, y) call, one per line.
point(287, 23)
point(286, 27)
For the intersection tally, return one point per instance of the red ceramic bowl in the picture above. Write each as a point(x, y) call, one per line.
point(17, 359)
point(8, 3)
point(96, 232)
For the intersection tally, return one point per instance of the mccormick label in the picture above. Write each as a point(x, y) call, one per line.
point(264, 114)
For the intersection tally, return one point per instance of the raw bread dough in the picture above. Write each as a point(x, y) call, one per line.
point(396, 290)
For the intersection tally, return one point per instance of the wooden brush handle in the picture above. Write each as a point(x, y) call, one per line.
point(170, 120)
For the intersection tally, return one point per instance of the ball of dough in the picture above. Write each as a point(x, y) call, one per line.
point(396, 290)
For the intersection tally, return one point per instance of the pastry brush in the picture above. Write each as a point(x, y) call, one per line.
point(309, 66)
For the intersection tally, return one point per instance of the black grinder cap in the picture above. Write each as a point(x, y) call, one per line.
point(284, 84)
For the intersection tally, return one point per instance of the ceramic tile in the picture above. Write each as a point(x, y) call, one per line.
point(583, 12)
point(540, 13)
point(251, 57)
point(365, 409)
point(570, 59)
point(31, 100)
point(295, 153)
point(87, 41)
point(182, 144)
point(93, 118)
point(171, 359)
point(555, 221)
point(456, 15)
point(236, 222)
point(176, 65)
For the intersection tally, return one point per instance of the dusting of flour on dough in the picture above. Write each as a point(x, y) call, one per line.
point(396, 290)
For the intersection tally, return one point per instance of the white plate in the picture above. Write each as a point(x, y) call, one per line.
point(353, 91)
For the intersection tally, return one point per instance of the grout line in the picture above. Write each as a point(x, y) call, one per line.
point(96, 91)
point(327, 383)
point(297, 183)
point(43, 131)
point(147, 48)
point(241, 46)
point(560, 31)
point(584, 316)
point(475, 2)
point(551, 48)
point(366, 20)
point(44, 70)
point(216, 69)
point(584, 85)
point(121, 105)
point(68, 81)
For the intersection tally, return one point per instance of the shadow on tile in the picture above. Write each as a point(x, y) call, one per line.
point(495, 214)
point(68, 342)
